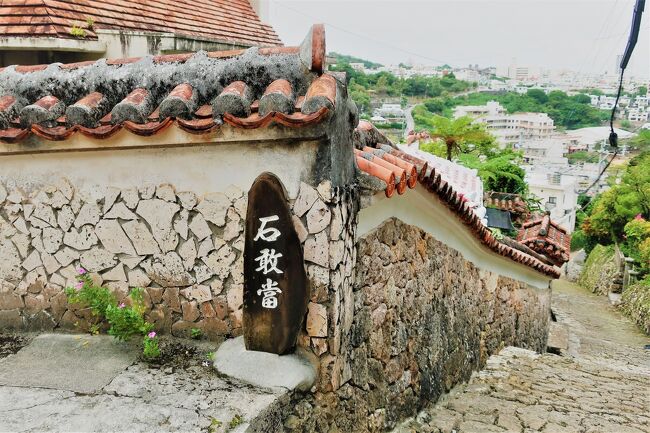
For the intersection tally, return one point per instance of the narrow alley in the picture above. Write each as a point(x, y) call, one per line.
point(601, 384)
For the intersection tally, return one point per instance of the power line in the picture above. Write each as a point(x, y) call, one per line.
point(377, 41)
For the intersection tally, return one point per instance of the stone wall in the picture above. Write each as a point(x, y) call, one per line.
point(185, 250)
point(422, 319)
point(599, 270)
point(330, 255)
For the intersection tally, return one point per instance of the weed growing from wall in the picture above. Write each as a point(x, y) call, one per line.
point(126, 321)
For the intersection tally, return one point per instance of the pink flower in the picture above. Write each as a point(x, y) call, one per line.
point(81, 271)
point(121, 305)
point(79, 285)
point(639, 217)
point(152, 334)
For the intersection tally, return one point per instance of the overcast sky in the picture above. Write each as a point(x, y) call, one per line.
point(581, 35)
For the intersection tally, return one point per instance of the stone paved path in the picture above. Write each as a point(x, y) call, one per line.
point(602, 383)
point(124, 395)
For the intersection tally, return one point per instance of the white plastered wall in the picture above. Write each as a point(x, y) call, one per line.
point(210, 167)
point(420, 208)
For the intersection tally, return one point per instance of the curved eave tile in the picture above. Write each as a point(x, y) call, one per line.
point(14, 135)
point(194, 126)
point(294, 120)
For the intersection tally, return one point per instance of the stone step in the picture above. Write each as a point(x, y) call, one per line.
point(558, 338)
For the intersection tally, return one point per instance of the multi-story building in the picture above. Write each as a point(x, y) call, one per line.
point(637, 115)
point(492, 108)
point(509, 128)
point(548, 151)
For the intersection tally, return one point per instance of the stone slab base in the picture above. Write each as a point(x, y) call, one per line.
point(263, 369)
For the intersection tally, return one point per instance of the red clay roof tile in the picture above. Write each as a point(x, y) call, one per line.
point(145, 111)
point(453, 199)
point(231, 21)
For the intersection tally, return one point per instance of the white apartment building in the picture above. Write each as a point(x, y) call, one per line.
point(546, 151)
point(492, 108)
point(641, 101)
point(637, 115)
point(557, 192)
point(467, 74)
point(509, 128)
point(390, 112)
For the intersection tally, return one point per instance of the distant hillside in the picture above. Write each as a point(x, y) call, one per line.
point(343, 58)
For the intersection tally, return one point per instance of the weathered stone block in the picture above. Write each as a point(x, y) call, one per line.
point(190, 311)
point(306, 198)
point(97, 259)
point(168, 270)
point(159, 215)
point(113, 238)
point(318, 217)
point(11, 319)
point(316, 320)
point(317, 249)
point(213, 207)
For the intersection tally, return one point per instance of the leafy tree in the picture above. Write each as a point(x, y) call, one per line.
point(642, 91)
point(359, 95)
point(342, 58)
point(461, 135)
point(499, 173)
point(538, 95)
point(626, 124)
point(581, 98)
point(614, 208)
point(435, 105)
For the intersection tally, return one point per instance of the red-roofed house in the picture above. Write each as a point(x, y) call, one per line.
point(48, 31)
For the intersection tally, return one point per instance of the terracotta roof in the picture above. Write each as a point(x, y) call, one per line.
point(461, 178)
point(230, 21)
point(546, 237)
point(244, 88)
point(505, 201)
point(391, 166)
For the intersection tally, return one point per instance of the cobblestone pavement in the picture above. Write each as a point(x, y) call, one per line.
point(601, 383)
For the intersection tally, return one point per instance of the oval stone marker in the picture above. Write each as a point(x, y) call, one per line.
point(276, 292)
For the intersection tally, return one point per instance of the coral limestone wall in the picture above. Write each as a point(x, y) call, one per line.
point(423, 319)
point(185, 250)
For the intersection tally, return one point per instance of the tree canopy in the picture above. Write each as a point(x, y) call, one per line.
point(499, 173)
point(460, 135)
point(609, 213)
point(570, 112)
point(381, 84)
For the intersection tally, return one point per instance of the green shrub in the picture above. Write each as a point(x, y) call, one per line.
point(636, 304)
point(87, 293)
point(637, 242)
point(125, 321)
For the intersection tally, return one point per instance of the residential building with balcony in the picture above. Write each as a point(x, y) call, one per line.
point(509, 128)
